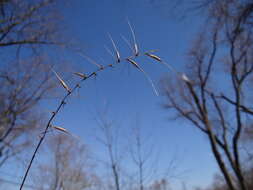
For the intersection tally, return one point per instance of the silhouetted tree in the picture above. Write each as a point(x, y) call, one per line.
point(216, 98)
point(22, 88)
point(68, 167)
point(25, 74)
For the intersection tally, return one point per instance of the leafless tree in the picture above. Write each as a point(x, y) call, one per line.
point(134, 149)
point(109, 139)
point(22, 88)
point(24, 72)
point(216, 102)
point(142, 155)
point(28, 23)
point(69, 166)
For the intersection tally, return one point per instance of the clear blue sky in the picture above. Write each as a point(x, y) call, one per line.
point(124, 89)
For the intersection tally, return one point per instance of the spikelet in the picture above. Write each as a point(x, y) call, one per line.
point(154, 57)
point(62, 82)
point(80, 75)
point(115, 48)
point(146, 75)
point(60, 129)
point(136, 50)
point(118, 56)
point(185, 78)
point(133, 63)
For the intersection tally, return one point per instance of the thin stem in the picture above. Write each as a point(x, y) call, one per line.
point(62, 103)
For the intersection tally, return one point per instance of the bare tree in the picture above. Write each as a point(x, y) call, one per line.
point(22, 88)
point(142, 155)
point(131, 158)
point(24, 73)
point(109, 139)
point(215, 102)
point(28, 23)
point(69, 166)
point(187, 8)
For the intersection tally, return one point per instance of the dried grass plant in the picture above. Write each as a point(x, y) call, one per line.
point(69, 91)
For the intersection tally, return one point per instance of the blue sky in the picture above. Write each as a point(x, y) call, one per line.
point(124, 89)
